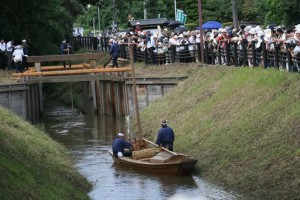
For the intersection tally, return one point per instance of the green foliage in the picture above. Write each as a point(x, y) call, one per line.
point(191, 26)
point(33, 166)
point(226, 24)
point(283, 12)
point(42, 23)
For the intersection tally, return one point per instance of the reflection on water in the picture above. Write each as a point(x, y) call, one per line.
point(89, 138)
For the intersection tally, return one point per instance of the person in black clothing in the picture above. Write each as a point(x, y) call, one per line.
point(114, 52)
point(119, 146)
point(165, 136)
point(65, 48)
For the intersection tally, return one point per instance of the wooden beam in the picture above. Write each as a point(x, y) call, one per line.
point(68, 72)
point(67, 57)
point(46, 68)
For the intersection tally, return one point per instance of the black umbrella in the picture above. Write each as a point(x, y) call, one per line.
point(167, 22)
point(180, 29)
point(174, 24)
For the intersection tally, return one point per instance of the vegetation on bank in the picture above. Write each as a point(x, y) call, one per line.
point(242, 124)
point(32, 166)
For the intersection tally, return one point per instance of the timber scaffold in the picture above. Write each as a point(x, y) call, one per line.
point(103, 88)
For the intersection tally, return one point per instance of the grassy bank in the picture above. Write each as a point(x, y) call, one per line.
point(32, 166)
point(242, 124)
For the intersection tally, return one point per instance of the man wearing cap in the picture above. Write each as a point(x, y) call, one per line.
point(165, 136)
point(17, 57)
point(119, 145)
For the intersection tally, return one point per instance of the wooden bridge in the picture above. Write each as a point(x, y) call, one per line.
point(81, 69)
point(105, 90)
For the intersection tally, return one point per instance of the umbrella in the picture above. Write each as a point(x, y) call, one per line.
point(211, 25)
point(180, 29)
point(167, 22)
point(174, 24)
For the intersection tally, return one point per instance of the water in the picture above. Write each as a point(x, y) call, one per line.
point(89, 139)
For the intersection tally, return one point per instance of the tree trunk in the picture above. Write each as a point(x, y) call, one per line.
point(235, 13)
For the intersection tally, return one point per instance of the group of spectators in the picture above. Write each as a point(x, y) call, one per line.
point(284, 39)
point(13, 57)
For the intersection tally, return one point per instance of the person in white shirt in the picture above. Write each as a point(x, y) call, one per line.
point(17, 57)
point(9, 49)
point(2, 54)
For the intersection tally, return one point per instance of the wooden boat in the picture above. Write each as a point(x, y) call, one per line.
point(149, 157)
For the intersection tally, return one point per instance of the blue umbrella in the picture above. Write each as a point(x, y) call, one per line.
point(211, 25)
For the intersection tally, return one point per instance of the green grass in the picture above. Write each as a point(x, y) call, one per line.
point(242, 124)
point(32, 166)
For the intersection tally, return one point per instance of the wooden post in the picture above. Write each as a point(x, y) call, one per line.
point(253, 53)
point(212, 55)
point(93, 87)
point(206, 52)
point(236, 59)
point(139, 128)
point(264, 55)
point(276, 57)
point(37, 66)
point(244, 49)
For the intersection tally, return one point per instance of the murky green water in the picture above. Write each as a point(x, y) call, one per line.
point(89, 139)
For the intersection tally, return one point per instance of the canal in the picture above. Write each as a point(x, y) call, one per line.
point(89, 140)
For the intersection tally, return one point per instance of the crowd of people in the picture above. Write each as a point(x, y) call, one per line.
point(284, 39)
point(13, 57)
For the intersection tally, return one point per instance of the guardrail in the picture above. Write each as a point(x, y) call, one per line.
point(233, 53)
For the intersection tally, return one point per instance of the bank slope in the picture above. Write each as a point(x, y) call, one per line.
point(32, 166)
point(243, 125)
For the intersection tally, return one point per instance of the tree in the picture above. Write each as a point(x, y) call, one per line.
point(235, 13)
point(44, 24)
point(283, 12)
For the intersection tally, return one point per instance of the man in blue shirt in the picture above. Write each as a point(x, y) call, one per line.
point(165, 136)
point(119, 145)
point(114, 52)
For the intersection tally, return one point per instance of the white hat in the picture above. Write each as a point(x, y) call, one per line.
point(198, 35)
point(252, 31)
point(297, 27)
point(180, 36)
point(297, 31)
point(137, 23)
point(175, 36)
point(23, 40)
point(247, 28)
point(120, 135)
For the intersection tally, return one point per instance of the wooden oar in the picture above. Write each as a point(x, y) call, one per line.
point(163, 148)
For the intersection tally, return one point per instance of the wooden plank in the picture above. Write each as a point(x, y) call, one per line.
point(69, 72)
point(46, 68)
point(50, 58)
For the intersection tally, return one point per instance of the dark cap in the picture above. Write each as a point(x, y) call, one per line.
point(164, 122)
